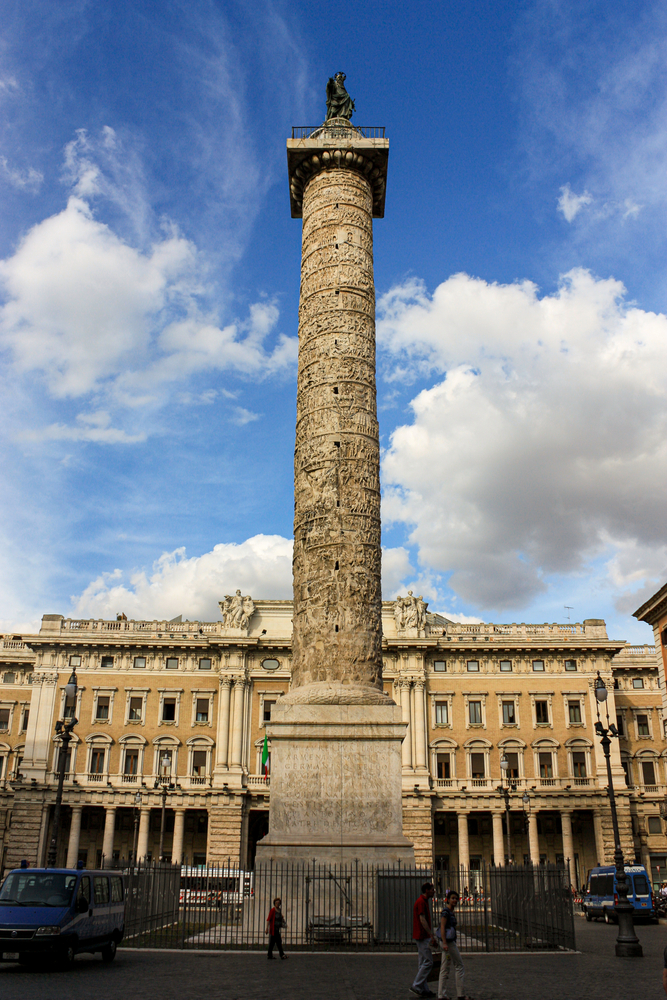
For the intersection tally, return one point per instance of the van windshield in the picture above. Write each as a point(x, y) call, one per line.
point(641, 885)
point(27, 888)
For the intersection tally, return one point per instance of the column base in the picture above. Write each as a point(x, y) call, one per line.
point(336, 784)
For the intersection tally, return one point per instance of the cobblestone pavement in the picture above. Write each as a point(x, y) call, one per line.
point(145, 975)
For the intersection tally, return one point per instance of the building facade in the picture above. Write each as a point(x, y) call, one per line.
point(192, 700)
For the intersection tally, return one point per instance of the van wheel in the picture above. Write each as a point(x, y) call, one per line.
point(588, 916)
point(66, 957)
point(109, 953)
point(608, 918)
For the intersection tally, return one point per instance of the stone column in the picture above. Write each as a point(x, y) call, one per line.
point(142, 838)
point(568, 844)
point(237, 726)
point(222, 745)
point(74, 837)
point(109, 831)
point(498, 839)
point(533, 839)
point(599, 836)
point(420, 726)
point(464, 843)
point(406, 751)
point(177, 843)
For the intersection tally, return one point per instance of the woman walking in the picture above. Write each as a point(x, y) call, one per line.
point(274, 924)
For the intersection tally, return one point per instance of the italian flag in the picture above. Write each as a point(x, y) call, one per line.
point(265, 757)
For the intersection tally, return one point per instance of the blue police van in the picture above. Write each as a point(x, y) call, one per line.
point(55, 913)
point(601, 893)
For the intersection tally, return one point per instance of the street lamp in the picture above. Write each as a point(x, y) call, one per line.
point(505, 791)
point(627, 942)
point(164, 779)
point(137, 803)
point(64, 731)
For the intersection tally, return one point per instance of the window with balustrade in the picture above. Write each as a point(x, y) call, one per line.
point(648, 771)
point(579, 764)
point(97, 761)
point(131, 762)
point(199, 763)
point(477, 766)
point(443, 765)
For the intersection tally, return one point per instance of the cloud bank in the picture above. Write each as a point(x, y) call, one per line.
point(545, 444)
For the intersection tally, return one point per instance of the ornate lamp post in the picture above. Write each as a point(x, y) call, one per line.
point(137, 803)
point(505, 791)
point(164, 779)
point(627, 942)
point(64, 730)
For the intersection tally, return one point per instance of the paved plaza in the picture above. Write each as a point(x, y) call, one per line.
point(148, 975)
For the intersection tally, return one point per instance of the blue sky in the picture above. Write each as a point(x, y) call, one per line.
point(149, 275)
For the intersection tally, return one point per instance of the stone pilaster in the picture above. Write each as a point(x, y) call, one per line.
point(26, 830)
point(225, 822)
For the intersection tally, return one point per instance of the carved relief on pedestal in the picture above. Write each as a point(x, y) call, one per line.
point(410, 614)
point(236, 612)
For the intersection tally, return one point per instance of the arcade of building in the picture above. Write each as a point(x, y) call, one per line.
point(193, 698)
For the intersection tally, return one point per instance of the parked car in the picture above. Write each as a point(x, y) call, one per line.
point(56, 913)
point(602, 895)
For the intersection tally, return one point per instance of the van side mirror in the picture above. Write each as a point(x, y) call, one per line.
point(82, 905)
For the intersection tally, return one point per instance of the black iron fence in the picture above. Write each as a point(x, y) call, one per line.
point(368, 131)
point(343, 907)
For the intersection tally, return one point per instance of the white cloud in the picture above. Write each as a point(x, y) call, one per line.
point(396, 569)
point(92, 313)
point(26, 180)
point(545, 444)
point(570, 204)
point(260, 566)
point(92, 427)
point(242, 416)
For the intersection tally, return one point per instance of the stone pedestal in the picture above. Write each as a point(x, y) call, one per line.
point(336, 784)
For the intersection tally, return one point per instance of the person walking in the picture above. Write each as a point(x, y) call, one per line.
point(451, 955)
point(274, 924)
point(422, 933)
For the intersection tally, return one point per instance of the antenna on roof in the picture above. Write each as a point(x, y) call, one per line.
point(568, 609)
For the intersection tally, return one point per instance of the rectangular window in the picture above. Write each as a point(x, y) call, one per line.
point(97, 762)
point(542, 713)
point(579, 764)
point(4, 720)
point(172, 663)
point(654, 824)
point(441, 713)
point(169, 710)
point(475, 710)
point(68, 712)
point(116, 889)
point(619, 724)
point(546, 765)
point(509, 715)
point(512, 765)
point(506, 666)
point(266, 714)
point(574, 708)
point(439, 665)
point(131, 765)
point(538, 666)
point(136, 706)
point(101, 889)
point(473, 666)
point(570, 664)
point(443, 765)
point(477, 765)
point(638, 682)
point(2, 767)
point(25, 718)
point(106, 662)
point(75, 661)
point(140, 663)
point(205, 663)
point(199, 763)
point(102, 710)
point(648, 771)
point(203, 706)
point(642, 725)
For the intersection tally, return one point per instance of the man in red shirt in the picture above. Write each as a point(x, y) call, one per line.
point(423, 935)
